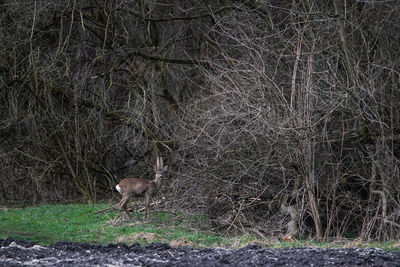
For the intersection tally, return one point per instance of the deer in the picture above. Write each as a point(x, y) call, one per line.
point(136, 187)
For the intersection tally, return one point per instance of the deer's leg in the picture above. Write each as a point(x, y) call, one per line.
point(148, 199)
point(123, 206)
point(121, 210)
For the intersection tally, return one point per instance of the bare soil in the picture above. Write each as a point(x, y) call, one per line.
point(22, 253)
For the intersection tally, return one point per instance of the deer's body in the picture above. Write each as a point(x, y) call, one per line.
point(135, 187)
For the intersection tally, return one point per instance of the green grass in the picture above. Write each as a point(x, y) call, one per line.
point(82, 223)
point(48, 224)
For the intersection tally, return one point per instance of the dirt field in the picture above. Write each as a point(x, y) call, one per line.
point(22, 253)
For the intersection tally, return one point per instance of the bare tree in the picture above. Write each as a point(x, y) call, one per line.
point(278, 118)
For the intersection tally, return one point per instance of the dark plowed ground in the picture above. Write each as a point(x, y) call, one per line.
point(19, 253)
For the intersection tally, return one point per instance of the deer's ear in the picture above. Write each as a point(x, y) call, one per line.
point(158, 163)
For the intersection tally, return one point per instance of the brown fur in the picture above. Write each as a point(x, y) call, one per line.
point(135, 187)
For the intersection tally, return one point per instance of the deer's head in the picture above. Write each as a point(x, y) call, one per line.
point(160, 168)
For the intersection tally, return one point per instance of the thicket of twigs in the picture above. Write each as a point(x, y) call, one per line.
point(275, 117)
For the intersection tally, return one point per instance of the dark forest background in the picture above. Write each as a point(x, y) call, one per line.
point(275, 117)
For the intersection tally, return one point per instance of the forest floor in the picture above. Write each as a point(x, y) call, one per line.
point(22, 253)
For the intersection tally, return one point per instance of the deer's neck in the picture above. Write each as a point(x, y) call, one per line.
point(158, 183)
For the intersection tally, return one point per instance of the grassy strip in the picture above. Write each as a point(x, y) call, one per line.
point(80, 223)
